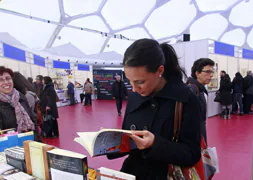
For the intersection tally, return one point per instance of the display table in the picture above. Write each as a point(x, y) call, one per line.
point(213, 108)
point(64, 98)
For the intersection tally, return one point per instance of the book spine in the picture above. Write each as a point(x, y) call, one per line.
point(15, 154)
point(45, 149)
point(27, 157)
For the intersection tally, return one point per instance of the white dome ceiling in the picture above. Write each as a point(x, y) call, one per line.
point(59, 22)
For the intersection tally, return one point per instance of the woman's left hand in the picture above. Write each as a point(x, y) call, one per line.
point(143, 139)
point(47, 108)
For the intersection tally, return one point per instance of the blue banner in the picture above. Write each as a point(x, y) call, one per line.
point(39, 60)
point(248, 54)
point(61, 65)
point(14, 53)
point(225, 49)
point(83, 67)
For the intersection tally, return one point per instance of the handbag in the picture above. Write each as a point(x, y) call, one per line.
point(47, 125)
point(204, 169)
point(217, 97)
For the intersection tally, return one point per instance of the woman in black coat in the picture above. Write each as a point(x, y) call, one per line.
point(48, 99)
point(226, 96)
point(156, 78)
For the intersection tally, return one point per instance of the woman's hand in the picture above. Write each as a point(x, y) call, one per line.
point(47, 108)
point(143, 139)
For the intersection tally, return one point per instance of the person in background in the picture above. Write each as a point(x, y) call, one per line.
point(237, 93)
point(24, 86)
point(14, 111)
point(247, 92)
point(156, 77)
point(88, 89)
point(38, 85)
point(226, 96)
point(48, 104)
point(119, 92)
point(30, 80)
point(201, 75)
point(71, 92)
point(222, 74)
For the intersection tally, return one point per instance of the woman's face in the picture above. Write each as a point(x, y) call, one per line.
point(142, 81)
point(6, 83)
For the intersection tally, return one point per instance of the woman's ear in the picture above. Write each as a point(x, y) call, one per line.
point(160, 71)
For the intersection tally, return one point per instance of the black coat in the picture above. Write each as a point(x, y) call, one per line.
point(200, 91)
point(7, 113)
point(48, 98)
point(119, 90)
point(156, 114)
point(248, 85)
point(225, 92)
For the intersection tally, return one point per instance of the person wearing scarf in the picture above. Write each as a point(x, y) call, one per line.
point(11, 102)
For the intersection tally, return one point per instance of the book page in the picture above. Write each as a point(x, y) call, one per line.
point(117, 174)
point(111, 142)
point(37, 160)
point(87, 139)
point(61, 175)
point(19, 176)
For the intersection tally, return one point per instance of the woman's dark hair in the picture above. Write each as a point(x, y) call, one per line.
point(150, 54)
point(30, 80)
point(7, 70)
point(224, 72)
point(199, 64)
point(88, 79)
point(21, 83)
point(238, 77)
point(47, 80)
point(227, 77)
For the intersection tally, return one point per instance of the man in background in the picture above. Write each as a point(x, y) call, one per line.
point(71, 92)
point(119, 92)
point(202, 73)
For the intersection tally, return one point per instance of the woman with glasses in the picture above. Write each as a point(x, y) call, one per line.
point(14, 108)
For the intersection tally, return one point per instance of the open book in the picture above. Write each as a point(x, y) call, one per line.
point(106, 141)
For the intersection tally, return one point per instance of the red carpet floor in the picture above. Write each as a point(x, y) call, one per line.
point(232, 138)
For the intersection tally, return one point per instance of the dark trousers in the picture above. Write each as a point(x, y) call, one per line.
point(82, 96)
point(87, 100)
point(119, 104)
point(55, 129)
point(72, 99)
point(237, 97)
point(247, 103)
point(203, 130)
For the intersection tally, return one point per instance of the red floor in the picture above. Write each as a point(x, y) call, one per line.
point(232, 138)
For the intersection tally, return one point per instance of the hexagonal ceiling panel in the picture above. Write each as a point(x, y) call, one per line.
point(123, 13)
point(205, 28)
point(250, 39)
point(164, 20)
point(33, 34)
point(235, 37)
point(214, 5)
point(75, 7)
point(241, 15)
point(46, 9)
point(168, 20)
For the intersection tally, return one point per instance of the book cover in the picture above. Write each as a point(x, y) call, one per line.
point(36, 159)
point(66, 165)
point(110, 174)
point(15, 157)
point(106, 141)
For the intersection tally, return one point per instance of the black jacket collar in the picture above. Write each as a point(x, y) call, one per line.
point(174, 90)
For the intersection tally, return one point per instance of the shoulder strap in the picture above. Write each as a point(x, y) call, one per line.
point(177, 120)
point(197, 88)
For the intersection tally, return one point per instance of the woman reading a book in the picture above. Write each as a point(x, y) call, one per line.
point(156, 77)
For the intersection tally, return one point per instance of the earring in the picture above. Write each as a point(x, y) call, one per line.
point(160, 75)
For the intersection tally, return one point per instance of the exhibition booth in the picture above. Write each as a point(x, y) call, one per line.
point(31, 65)
point(227, 57)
